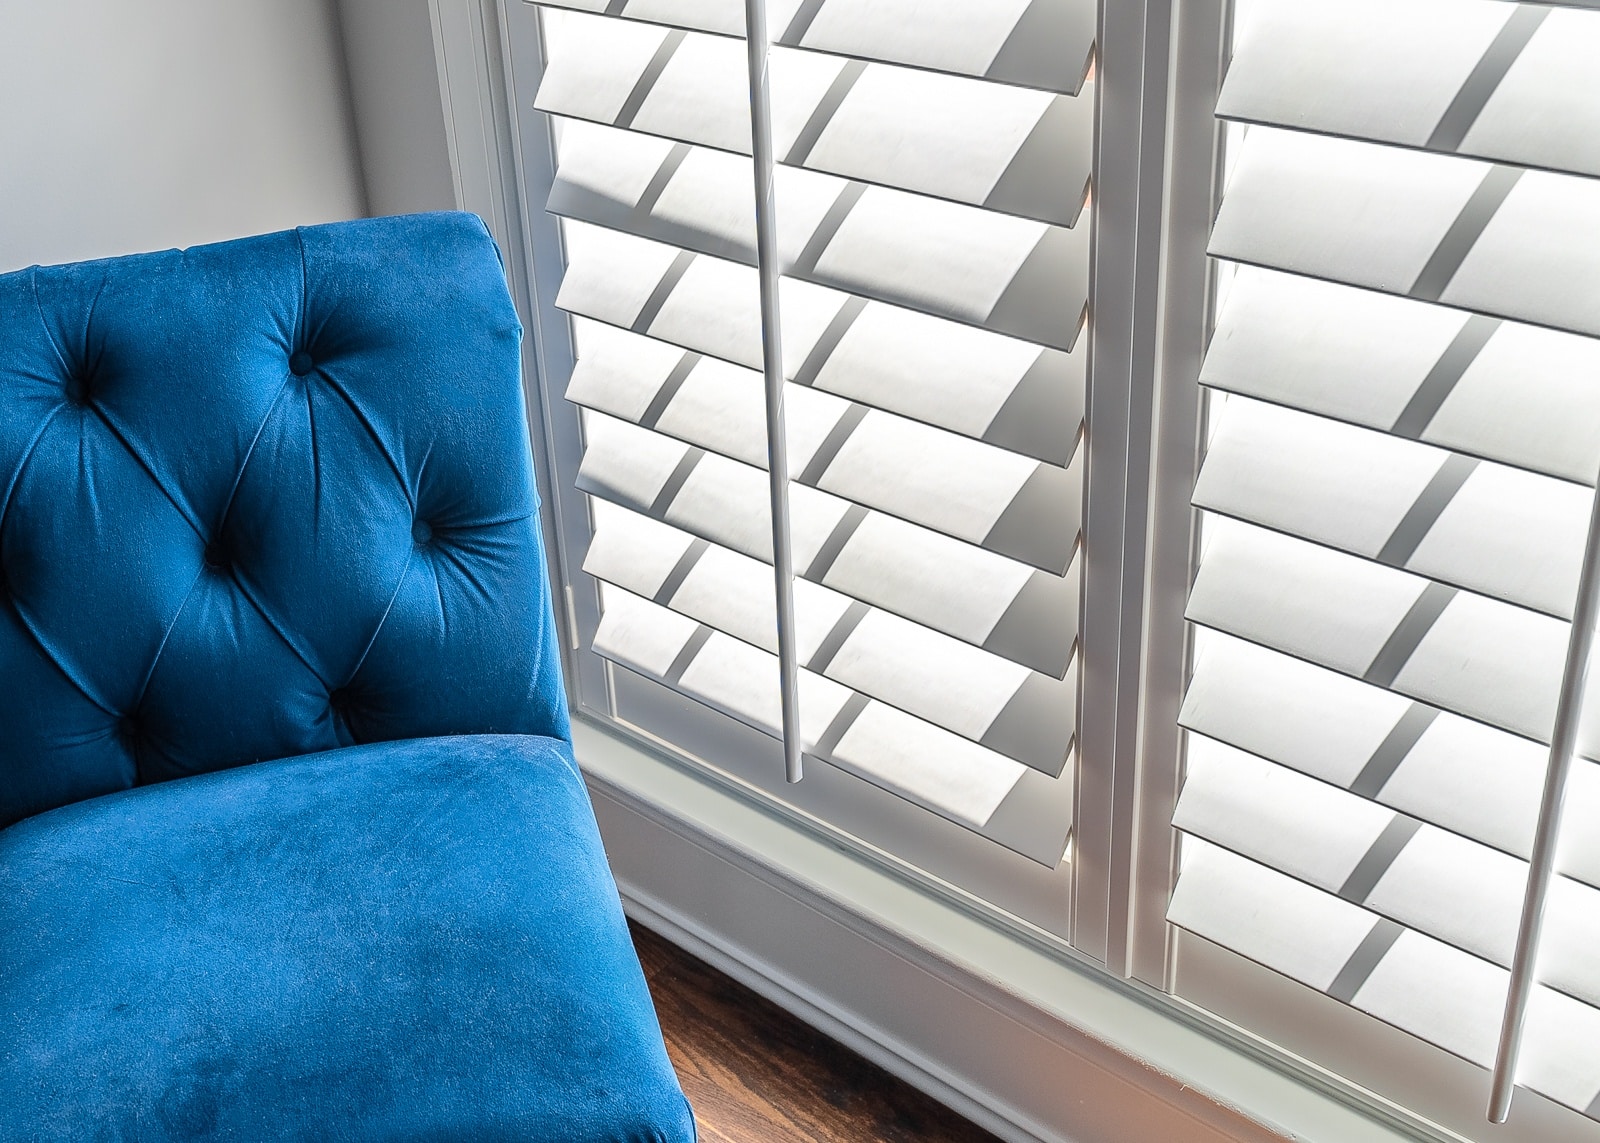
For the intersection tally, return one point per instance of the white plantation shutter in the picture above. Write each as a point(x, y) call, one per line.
point(934, 163)
point(1405, 434)
point(1044, 44)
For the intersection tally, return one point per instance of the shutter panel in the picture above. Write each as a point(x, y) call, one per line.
point(1402, 976)
point(992, 270)
point(1012, 149)
point(931, 767)
point(1045, 44)
point(978, 695)
point(1404, 439)
point(934, 167)
point(941, 480)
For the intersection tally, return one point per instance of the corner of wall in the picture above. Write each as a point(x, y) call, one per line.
point(398, 106)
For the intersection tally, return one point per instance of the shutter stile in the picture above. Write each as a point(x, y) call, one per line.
point(1404, 439)
point(931, 184)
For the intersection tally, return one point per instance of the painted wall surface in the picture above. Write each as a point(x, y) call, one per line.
point(394, 85)
point(128, 126)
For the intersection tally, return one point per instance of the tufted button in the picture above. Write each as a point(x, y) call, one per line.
point(128, 727)
point(216, 556)
point(77, 389)
point(339, 701)
point(422, 531)
point(300, 363)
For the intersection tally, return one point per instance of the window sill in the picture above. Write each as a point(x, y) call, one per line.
point(1027, 1045)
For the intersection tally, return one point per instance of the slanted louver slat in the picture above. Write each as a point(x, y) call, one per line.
point(1044, 44)
point(932, 171)
point(940, 480)
point(1509, 83)
point(1497, 240)
point(1020, 613)
point(1404, 439)
point(1445, 769)
point(998, 272)
point(1010, 149)
point(940, 771)
point(1020, 397)
point(976, 694)
point(1401, 976)
point(1500, 391)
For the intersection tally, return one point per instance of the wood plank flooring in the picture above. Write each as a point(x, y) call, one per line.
point(756, 1074)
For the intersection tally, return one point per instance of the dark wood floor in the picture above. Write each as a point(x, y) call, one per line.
point(755, 1074)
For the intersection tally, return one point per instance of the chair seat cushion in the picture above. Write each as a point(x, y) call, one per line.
point(411, 940)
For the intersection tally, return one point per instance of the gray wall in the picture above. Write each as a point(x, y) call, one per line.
point(131, 125)
point(394, 84)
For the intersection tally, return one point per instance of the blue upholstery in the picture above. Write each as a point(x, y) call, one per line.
point(373, 943)
point(264, 498)
point(260, 500)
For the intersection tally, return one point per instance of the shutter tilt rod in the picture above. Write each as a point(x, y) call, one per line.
point(1541, 867)
point(770, 272)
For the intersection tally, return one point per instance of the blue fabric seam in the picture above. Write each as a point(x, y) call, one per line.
point(372, 432)
point(305, 290)
point(298, 335)
point(44, 324)
point(71, 675)
point(272, 625)
point(88, 324)
point(161, 647)
point(22, 620)
point(249, 454)
point(384, 618)
point(22, 464)
point(493, 522)
point(149, 470)
point(316, 464)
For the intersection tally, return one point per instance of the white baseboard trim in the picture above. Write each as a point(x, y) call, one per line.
point(794, 996)
point(1033, 1049)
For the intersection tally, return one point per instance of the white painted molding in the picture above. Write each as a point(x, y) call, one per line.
point(472, 88)
point(1031, 1047)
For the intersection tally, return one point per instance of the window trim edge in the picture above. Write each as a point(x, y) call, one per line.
point(1049, 1051)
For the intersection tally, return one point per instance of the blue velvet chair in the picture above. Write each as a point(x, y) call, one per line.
point(293, 844)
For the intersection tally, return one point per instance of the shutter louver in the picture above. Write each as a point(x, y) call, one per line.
point(931, 767)
point(998, 272)
point(1402, 976)
point(933, 176)
point(1044, 44)
point(980, 696)
point(1404, 439)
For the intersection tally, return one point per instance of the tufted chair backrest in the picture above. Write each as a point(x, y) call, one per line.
point(264, 498)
